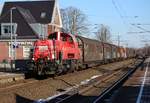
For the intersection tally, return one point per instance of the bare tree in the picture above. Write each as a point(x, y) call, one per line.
point(103, 33)
point(74, 21)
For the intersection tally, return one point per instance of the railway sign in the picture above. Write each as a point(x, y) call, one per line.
point(15, 45)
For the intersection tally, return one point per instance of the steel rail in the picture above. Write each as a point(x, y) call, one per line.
point(116, 84)
point(70, 93)
point(63, 97)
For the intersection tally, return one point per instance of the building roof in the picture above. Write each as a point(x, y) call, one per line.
point(40, 11)
point(26, 15)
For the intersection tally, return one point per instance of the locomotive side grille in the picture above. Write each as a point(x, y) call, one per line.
point(43, 48)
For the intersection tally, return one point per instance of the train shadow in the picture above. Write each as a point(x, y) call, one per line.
point(20, 99)
point(75, 99)
point(129, 94)
point(126, 94)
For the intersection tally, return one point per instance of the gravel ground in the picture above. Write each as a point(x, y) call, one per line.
point(44, 88)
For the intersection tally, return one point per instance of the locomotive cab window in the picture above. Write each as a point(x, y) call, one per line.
point(53, 36)
point(66, 38)
point(63, 37)
point(70, 40)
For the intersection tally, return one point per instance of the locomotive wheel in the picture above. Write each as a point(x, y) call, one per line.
point(35, 71)
point(59, 70)
point(40, 70)
point(72, 66)
point(64, 69)
point(77, 66)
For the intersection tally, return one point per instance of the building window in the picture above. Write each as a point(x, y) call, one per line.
point(6, 29)
point(26, 51)
point(43, 14)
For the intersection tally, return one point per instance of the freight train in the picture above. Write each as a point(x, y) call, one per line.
point(63, 52)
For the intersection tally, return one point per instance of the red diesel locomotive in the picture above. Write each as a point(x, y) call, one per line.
point(59, 53)
point(63, 52)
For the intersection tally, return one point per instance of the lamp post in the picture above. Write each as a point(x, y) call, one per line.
point(11, 34)
point(15, 44)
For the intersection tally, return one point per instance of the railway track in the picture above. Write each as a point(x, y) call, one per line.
point(136, 88)
point(95, 92)
point(18, 84)
point(70, 84)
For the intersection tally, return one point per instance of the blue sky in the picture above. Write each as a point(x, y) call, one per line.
point(118, 15)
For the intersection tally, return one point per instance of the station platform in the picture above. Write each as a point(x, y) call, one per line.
point(137, 88)
point(10, 77)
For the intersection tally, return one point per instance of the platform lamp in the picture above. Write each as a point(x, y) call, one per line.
point(11, 35)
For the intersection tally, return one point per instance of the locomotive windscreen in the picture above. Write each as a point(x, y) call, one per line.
point(52, 36)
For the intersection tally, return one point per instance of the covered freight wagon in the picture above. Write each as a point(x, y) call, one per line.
point(114, 50)
point(96, 51)
point(131, 52)
point(107, 52)
point(92, 50)
point(122, 52)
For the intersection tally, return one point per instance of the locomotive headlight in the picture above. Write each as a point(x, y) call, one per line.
point(48, 58)
point(32, 58)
